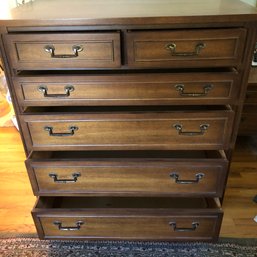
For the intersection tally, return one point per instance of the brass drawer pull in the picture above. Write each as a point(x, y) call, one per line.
point(206, 89)
point(198, 177)
point(51, 133)
point(67, 89)
point(76, 49)
point(60, 227)
point(175, 228)
point(203, 129)
point(172, 47)
point(64, 181)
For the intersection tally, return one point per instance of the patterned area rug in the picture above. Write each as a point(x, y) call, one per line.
point(32, 247)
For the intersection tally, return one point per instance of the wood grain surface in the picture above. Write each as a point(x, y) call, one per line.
point(110, 10)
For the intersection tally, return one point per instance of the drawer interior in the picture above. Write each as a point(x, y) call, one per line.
point(125, 202)
point(123, 109)
point(27, 73)
point(153, 155)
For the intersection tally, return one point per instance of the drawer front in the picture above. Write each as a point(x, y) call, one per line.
point(190, 48)
point(183, 177)
point(128, 218)
point(208, 130)
point(124, 227)
point(60, 51)
point(140, 89)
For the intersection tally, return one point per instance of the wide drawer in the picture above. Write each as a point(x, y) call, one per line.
point(60, 51)
point(128, 89)
point(186, 48)
point(188, 173)
point(127, 218)
point(176, 129)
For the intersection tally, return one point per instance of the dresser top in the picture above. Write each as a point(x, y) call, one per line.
point(106, 12)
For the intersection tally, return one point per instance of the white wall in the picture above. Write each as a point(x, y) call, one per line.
point(251, 2)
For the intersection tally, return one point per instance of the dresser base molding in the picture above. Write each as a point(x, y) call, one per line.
point(128, 218)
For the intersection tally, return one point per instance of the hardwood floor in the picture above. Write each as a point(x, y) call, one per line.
point(239, 208)
point(17, 199)
point(16, 195)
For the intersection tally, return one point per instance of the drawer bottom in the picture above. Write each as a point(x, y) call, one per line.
point(128, 218)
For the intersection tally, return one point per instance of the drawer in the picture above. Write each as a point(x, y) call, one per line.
point(186, 48)
point(62, 51)
point(248, 124)
point(169, 173)
point(198, 128)
point(128, 89)
point(127, 218)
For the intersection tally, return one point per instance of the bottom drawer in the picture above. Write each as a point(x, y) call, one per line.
point(128, 218)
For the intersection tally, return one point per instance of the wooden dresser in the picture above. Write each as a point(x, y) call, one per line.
point(129, 112)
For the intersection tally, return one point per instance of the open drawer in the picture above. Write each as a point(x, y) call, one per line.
point(162, 173)
point(127, 218)
point(90, 89)
point(144, 128)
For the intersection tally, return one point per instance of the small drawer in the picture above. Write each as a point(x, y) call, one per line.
point(62, 51)
point(186, 48)
point(177, 129)
point(138, 89)
point(169, 173)
point(128, 218)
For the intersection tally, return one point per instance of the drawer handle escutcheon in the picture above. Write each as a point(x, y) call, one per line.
point(203, 129)
point(172, 47)
point(68, 89)
point(175, 228)
point(198, 177)
point(60, 227)
point(64, 181)
point(51, 133)
point(51, 49)
point(206, 89)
